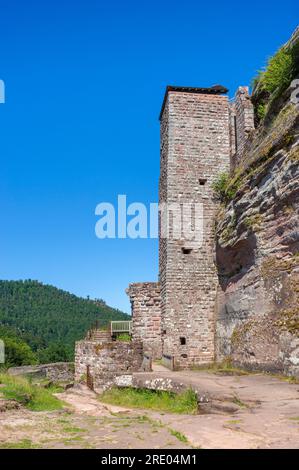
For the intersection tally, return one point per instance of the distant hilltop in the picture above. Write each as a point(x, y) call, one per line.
point(46, 317)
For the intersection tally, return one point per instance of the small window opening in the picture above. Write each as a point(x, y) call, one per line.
point(202, 181)
point(186, 251)
point(236, 129)
point(182, 340)
point(164, 332)
point(184, 356)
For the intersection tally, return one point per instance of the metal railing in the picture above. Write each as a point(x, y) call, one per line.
point(120, 327)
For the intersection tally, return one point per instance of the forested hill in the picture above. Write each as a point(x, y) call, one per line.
point(47, 317)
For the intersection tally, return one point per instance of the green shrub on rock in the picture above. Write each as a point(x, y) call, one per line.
point(125, 337)
point(223, 188)
point(279, 72)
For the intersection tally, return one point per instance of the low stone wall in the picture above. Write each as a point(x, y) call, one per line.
point(56, 371)
point(100, 363)
point(146, 316)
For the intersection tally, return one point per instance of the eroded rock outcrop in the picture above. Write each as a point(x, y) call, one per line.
point(257, 248)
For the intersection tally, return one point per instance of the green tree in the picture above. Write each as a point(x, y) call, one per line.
point(17, 351)
point(56, 352)
point(43, 315)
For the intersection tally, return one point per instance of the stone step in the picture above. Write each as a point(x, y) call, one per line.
point(99, 335)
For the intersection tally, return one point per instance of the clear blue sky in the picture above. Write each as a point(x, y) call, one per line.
point(84, 85)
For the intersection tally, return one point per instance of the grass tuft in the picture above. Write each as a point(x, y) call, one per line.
point(181, 437)
point(124, 337)
point(279, 71)
point(29, 395)
point(286, 378)
point(234, 421)
point(224, 368)
point(239, 402)
point(185, 402)
point(23, 444)
point(73, 429)
point(224, 188)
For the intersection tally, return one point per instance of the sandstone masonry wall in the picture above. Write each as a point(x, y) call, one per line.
point(195, 148)
point(243, 123)
point(105, 361)
point(232, 133)
point(146, 316)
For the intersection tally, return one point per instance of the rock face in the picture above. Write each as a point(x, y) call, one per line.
point(257, 249)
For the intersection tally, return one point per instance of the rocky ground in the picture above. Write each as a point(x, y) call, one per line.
point(85, 423)
point(248, 411)
point(264, 413)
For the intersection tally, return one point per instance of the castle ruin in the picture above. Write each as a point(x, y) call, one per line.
point(233, 292)
point(202, 135)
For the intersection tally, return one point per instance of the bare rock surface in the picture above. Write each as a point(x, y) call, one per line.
point(85, 423)
point(257, 246)
point(264, 414)
point(8, 405)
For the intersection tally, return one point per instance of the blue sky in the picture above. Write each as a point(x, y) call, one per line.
point(84, 85)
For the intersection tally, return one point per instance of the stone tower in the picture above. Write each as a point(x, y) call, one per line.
point(195, 148)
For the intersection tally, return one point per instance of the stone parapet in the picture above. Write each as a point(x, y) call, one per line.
point(145, 300)
point(103, 362)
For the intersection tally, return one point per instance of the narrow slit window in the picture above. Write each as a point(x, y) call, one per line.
point(186, 251)
point(182, 340)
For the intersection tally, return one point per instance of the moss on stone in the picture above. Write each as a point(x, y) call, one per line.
point(294, 154)
point(288, 317)
point(227, 233)
point(271, 267)
point(265, 147)
point(253, 222)
point(289, 320)
point(263, 151)
point(239, 332)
